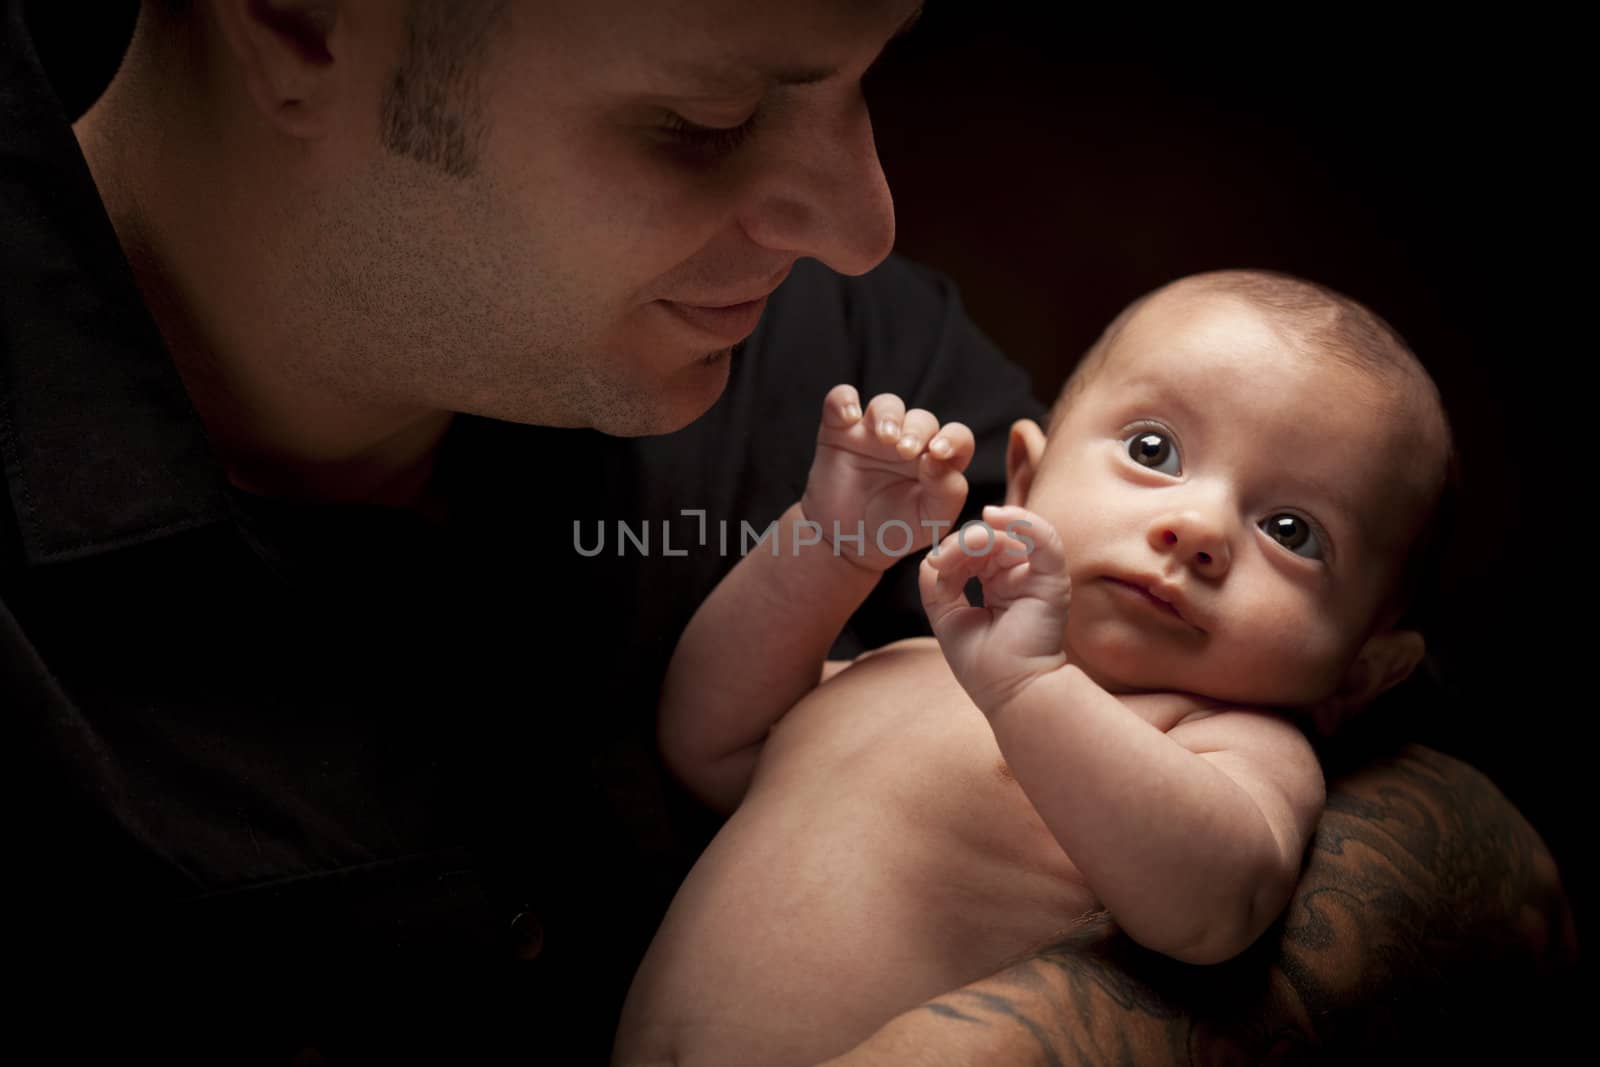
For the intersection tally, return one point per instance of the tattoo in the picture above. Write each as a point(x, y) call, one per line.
point(950, 1013)
point(1429, 917)
point(1001, 1005)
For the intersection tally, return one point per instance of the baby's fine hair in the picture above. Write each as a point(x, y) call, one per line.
point(1319, 321)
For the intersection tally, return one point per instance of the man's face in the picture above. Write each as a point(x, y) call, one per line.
point(1259, 492)
point(647, 175)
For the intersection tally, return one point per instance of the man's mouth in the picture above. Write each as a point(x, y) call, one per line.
point(733, 322)
point(732, 314)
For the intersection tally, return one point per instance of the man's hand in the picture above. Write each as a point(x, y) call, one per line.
point(1016, 637)
point(890, 475)
point(1429, 924)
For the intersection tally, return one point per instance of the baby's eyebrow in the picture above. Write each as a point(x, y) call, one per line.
point(1146, 390)
point(1337, 497)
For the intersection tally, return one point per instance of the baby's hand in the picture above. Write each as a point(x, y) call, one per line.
point(1017, 636)
point(893, 476)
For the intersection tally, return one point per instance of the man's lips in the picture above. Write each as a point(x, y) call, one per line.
point(731, 315)
point(1163, 599)
point(729, 323)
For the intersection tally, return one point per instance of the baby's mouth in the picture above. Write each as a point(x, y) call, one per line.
point(1152, 599)
point(1148, 595)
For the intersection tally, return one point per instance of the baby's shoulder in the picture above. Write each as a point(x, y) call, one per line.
point(902, 692)
point(902, 647)
point(915, 663)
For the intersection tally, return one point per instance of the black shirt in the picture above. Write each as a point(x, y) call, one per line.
point(255, 735)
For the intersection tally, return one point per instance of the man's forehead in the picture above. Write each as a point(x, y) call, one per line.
point(730, 46)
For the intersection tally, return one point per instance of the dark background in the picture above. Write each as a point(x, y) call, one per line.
point(1429, 174)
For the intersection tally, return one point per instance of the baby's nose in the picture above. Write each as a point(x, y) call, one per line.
point(1199, 542)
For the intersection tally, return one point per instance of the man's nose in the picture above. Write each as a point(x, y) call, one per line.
point(1196, 538)
point(824, 195)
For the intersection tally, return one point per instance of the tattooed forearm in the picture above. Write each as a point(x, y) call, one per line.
point(1427, 901)
point(1428, 914)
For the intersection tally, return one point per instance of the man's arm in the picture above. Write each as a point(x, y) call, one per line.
point(1430, 917)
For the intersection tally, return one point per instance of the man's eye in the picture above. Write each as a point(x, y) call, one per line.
point(1154, 450)
point(1294, 533)
point(712, 140)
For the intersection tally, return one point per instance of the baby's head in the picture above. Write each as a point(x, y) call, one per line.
point(1240, 470)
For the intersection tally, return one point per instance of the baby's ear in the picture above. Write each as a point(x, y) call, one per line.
point(1023, 452)
point(1386, 660)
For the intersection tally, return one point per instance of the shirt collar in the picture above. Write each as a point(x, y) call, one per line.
point(102, 447)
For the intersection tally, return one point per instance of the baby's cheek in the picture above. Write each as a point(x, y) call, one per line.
point(1317, 664)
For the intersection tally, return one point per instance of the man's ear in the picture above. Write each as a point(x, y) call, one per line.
point(1386, 660)
point(1024, 450)
point(285, 49)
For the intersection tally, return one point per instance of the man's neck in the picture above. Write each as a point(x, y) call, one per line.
point(280, 408)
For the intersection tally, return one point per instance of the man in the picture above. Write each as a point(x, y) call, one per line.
point(310, 663)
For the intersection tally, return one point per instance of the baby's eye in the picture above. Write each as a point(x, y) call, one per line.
point(1295, 534)
point(1151, 449)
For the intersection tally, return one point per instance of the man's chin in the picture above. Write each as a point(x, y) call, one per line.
point(676, 403)
point(721, 355)
point(699, 392)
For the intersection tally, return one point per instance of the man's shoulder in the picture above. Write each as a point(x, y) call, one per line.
point(896, 270)
point(901, 327)
point(898, 287)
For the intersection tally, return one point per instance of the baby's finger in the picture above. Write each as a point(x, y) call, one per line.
point(1009, 551)
point(885, 415)
point(916, 429)
point(841, 408)
point(953, 445)
point(966, 551)
point(944, 491)
point(1037, 537)
point(942, 579)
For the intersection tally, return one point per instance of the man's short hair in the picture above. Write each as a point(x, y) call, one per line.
point(431, 109)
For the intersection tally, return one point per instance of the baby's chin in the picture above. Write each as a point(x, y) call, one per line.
point(1122, 669)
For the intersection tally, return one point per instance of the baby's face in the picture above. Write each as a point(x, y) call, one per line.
point(1265, 495)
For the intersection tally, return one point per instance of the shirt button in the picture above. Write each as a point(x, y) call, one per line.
point(527, 936)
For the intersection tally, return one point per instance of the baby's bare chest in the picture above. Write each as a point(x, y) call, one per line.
point(899, 772)
point(884, 855)
point(898, 723)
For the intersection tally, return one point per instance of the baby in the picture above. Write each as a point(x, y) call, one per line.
point(1206, 554)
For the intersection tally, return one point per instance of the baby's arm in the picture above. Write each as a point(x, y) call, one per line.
point(1193, 838)
point(759, 643)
